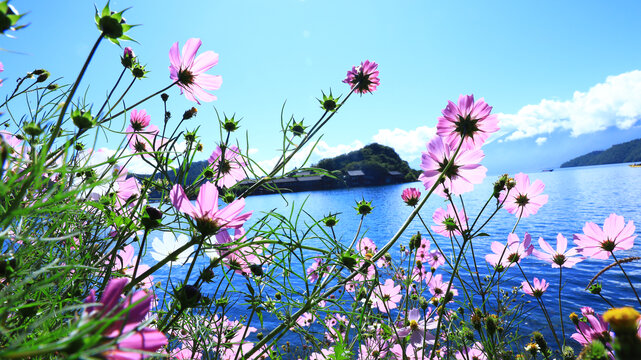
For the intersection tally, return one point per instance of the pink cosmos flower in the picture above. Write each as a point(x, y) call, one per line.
point(594, 328)
point(367, 249)
point(139, 119)
point(599, 244)
point(1, 70)
point(125, 263)
point(512, 253)
point(449, 222)
point(373, 348)
point(524, 199)
point(468, 120)
point(417, 328)
point(411, 352)
point(130, 339)
point(307, 319)
point(189, 71)
point(230, 168)
point(411, 196)
point(209, 219)
point(537, 287)
point(474, 352)
point(145, 140)
point(438, 287)
point(363, 78)
point(387, 296)
point(460, 177)
point(313, 272)
point(559, 257)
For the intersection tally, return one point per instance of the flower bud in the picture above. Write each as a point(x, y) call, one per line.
point(138, 71)
point(190, 113)
point(52, 86)
point(575, 319)
point(595, 288)
point(32, 129)
point(152, 218)
point(298, 129)
point(42, 74)
point(348, 259)
point(278, 296)
point(207, 275)
point(222, 302)
point(415, 241)
point(330, 220)
point(491, 323)
point(189, 296)
point(128, 58)
point(256, 269)
point(82, 119)
point(164, 97)
point(364, 207)
point(230, 124)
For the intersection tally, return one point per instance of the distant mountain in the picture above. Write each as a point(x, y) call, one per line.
point(621, 153)
point(374, 160)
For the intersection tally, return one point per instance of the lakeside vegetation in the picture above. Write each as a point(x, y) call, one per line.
point(620, 153)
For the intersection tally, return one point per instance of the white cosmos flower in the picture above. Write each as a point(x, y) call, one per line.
point(169, 244)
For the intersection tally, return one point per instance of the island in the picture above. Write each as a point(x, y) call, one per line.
point(620, 153)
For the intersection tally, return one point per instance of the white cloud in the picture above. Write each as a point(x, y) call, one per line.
point(541, 140)
point(407, 143)
point(614, 102)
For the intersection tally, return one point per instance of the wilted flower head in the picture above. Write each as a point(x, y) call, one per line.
point(468, 121)
point(600, 243)
point(189, 71)
point(363, 78)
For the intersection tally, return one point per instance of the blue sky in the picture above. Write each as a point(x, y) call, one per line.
point(562, 74)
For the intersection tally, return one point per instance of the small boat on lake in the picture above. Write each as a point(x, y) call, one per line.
point(547, 170)
point(635, 165)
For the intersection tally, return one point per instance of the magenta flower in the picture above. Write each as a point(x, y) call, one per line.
point(230, 168)
point(145, 140)
point(307, 319)
point(209, 219)
point(438, 287)
point(460, 177)
point(449, 222)
point(125, 331)
point(387, 296)
point(524, 199)
point(139, 120)
point(411, 196)
point(1, 70)
point(474, 352)
point(559, 257)
point(599, 244)
point(593, 328)
point(125, 263)
point(373, 348)
point(313, 272)
point(468, 120)
point(512, 253)
point(536, 288)
point(189, 71)
point(417, 329)
point(363, 78)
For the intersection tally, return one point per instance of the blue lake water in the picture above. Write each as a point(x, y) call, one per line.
point(576, 195)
